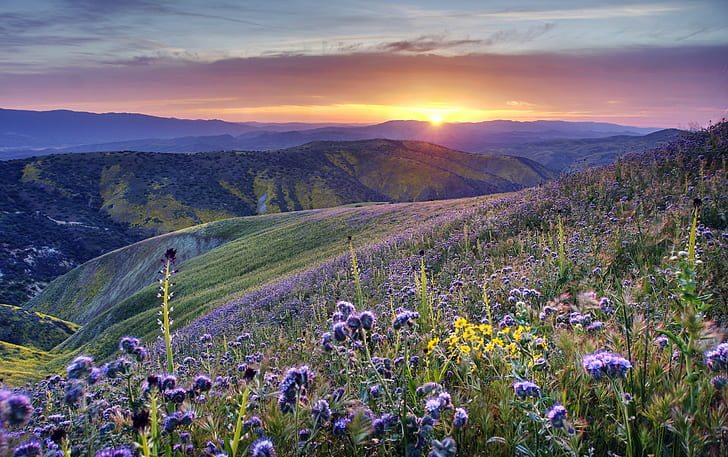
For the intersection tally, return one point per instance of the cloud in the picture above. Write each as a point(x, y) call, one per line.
point(655, 85)
point(426, 43)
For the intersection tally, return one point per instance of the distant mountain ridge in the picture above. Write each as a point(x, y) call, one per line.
point(29, 133)
point(111, 199)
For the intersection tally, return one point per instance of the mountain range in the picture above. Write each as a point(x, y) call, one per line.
point(33, 133)
point(58, 211)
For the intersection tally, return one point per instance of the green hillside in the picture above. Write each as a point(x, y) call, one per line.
point(59, 211)
point(587, 316)
point(25, 328)
point(116, 294)
point(586, 152)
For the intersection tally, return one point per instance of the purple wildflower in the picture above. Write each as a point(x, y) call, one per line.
point(28, 449)
point(367, 320)
point(263, 448)
point(444, 448)
point(608, 364)
point(80, 367)
point(320, 412)
point(16, 409)
point(526, 389)
point(202, 383)
point(460, 419)
point(127, 344)
point(341, 332)
point(345, 308)
point(717, 358)
point(557, 415)
point(115, 452)
point(719, 382)
point(340, 425)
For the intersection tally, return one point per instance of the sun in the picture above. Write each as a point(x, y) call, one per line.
point(436, 118)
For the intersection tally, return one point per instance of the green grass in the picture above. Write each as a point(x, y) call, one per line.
point(36, 330)
point(246, 254)
point(21, 364)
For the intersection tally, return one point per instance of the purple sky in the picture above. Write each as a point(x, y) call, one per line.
point(662, 64)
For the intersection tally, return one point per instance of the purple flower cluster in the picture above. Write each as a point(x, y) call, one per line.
point(132, 346)
point(294, 383)
point(348, 323)
point(557, 415)
point(15, 409)
point(263, 448)
point(717, 358)
point(526, 389)
point(609, 364)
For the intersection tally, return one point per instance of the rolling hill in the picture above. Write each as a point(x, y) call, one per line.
point(48, 204)
point(576, 311)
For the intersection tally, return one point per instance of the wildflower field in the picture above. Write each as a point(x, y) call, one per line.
point(585, 317)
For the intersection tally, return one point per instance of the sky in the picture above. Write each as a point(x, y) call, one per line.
point(642, 63)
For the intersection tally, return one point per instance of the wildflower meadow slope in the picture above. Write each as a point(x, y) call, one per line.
point(583, 317)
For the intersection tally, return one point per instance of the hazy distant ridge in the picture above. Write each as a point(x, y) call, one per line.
point(28, 133)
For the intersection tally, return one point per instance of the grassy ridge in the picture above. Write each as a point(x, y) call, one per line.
point(61, 210)
point(25, 328)
point(21, 364)
point(251, 253)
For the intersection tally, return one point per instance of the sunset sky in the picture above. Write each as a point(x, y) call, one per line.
point(657, 64)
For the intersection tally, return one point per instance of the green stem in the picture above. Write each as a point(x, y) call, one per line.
point(625, 414)
point(165, 317)
point(239, 423)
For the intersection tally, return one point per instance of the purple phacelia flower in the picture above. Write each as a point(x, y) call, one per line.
point(263, 448)
point(127, 344)
point(719, 382)
point(80, 367)
point(557, 415)
point(320, 412)
point(432, 406)
point(176, 395)
point(595, 326)
point(28, 449)
point(444, 448)
point(611, 365)
point(526, 389)
point(339, 428)
point(460, 419)
point(345, 308)
point(16, 409)
point(115, 452)
point(367, 320)
point(717, 358)
point(202, 383)
point(167, 382)
point(341, 332)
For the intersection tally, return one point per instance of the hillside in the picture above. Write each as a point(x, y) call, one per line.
point(24, 328)
point(219, 261)
point(585, 152)
point(109, 200)
point(587, 316)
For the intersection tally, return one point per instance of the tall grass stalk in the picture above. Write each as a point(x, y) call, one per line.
point(355, 272)
point(235, 443)
point(166, 295)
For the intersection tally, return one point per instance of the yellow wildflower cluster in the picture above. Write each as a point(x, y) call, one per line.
point(476, 340)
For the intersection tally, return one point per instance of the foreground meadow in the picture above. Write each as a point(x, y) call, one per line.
point(583, 317)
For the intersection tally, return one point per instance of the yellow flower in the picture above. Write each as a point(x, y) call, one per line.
point(431, 345)
point(460, 323)
point(464, 349)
